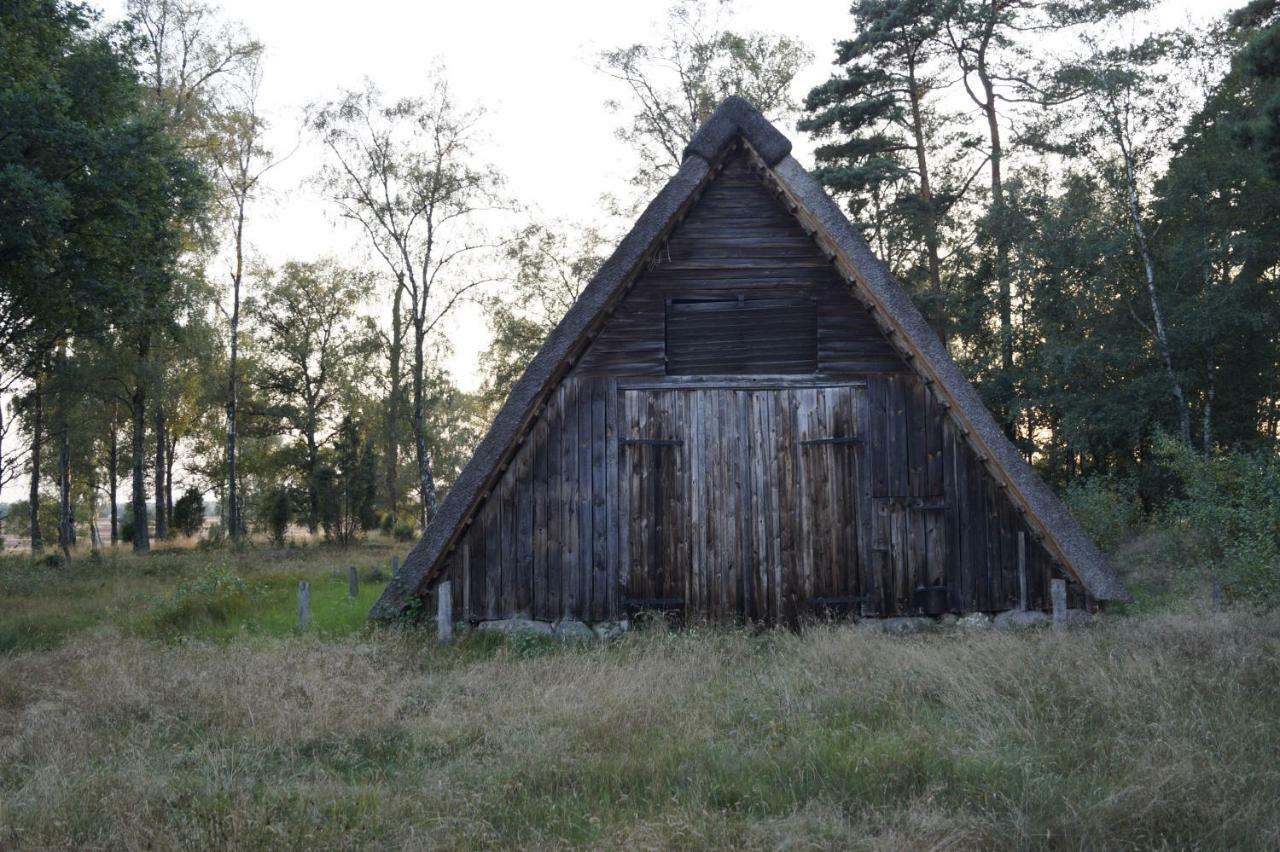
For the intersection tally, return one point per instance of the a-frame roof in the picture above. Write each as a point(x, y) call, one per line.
point(871, 282)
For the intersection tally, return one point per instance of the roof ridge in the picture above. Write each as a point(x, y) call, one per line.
point(735, 116)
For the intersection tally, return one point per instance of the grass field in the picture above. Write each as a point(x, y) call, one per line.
point(167, 701)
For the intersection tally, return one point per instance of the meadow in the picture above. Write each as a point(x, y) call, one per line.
point(168, 701)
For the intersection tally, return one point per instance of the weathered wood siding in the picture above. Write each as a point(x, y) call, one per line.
point(759, 496)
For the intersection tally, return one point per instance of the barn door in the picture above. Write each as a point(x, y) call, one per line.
point(684, 457)
point(744, 503)
point(830, 575)
point(654, 458)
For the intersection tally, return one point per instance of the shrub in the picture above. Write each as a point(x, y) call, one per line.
point(126, 530)
point(18, 520)
point(1227, 516)
point(188, 513)
point(278, 516)
point(404, 531)
point(212, 598)
point(1106, 507)
point(214, 537)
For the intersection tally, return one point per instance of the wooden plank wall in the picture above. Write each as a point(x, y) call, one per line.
point(738, 241)
point(762, 523)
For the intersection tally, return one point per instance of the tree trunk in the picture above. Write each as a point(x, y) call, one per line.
point(233, 515)
point(313, 487)
point(426, 482)
point(113, 480)
point(1149, 267)
point(171, 453)
point(37, 441)
point(66, 524)
point(395, 404)
point(1206, 427)
point(138, 414)
point(162, 522)
point(926, 198)
point(999, 215)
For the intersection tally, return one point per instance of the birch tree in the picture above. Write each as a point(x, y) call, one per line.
point(675, 81)
point(406, 174)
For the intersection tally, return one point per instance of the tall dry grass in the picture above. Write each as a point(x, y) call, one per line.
point(1154, 731)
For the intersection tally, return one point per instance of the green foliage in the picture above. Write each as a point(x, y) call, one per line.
point(278, 520)
point(212, 598)
point(348, 487)
point(18, 521)
point(1228, 517)
point(126, 530)
point(1107, 508)
point(188, 512)
point(405, 531)
point(215, 536)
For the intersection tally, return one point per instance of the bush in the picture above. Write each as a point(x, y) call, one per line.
point(126, 530)
point(213, 598)
point(405, 531)
point(214, 537)
point(1107, 508)
point(18, 520)
point(188, 513)
point(278, 517)
point(1227, 517)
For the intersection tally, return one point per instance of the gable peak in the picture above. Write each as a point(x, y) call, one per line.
point(735, 117)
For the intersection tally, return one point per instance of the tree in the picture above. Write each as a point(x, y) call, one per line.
point(1258, 66)
point(1129, 111)
point(349, 485)
point(1217, 237)
point(998, 71)
point(309, 339)
point(405, 173)
point(553, 263)
point(241, 160)
point(81, 139)
point(880, 132)
point(674, 83)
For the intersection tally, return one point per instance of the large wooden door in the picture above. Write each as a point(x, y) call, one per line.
point(743, 502)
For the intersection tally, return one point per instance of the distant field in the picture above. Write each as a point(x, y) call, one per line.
point(166, 701)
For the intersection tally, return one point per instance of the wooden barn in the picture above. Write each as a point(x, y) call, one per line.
point(744, 417)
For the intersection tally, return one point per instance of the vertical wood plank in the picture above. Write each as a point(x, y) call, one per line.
point(612, 499)
point(555, 505)
point(569, 501)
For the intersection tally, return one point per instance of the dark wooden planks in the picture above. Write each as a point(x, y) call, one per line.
point(738, 241)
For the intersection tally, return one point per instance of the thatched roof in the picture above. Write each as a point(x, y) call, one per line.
point(874, 284)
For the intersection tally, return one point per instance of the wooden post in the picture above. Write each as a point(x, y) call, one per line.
point(304, 604)
point(353, 582)
point(444, 611)
point(1022, 571)
point(395, 565)
point(1058, 592)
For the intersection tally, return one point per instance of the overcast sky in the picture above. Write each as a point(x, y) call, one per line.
point(530, 64)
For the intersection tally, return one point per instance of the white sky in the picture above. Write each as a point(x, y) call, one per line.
point(530, 64)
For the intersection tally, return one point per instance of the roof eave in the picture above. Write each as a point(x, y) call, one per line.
point(554, 358)
point(1062, 534)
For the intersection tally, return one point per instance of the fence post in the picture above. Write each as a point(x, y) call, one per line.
point(1058, 592)
point(395, 565)
point(444, 611)
point(304, 604)
point(353, 582)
